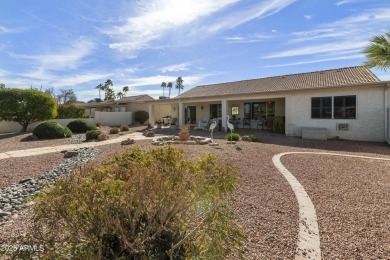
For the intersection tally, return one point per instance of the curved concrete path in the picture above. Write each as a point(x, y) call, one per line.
point(53, 149)
point(308, 245)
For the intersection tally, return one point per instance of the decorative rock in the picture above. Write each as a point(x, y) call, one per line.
point(103, 137)
point(127, 141)
point(214, 144)
point(4, 213)
point(25, 180)
point(71, 154)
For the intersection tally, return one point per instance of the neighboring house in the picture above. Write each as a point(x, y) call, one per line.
point(126, 104)
point(350, 103)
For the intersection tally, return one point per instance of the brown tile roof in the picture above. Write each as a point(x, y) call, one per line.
point(310, 80)
point(135, 98)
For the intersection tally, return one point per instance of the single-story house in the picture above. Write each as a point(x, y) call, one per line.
point(347, 103)
point(125, 104)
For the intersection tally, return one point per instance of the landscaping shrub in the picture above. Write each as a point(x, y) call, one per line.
point(70, 111)
point(124, 128)
point(80, 126)
point(142, 204)
point(114, 130)
point(251, 138)
point(141, 116)
point(278, 124)
point(232, 137)
point(51, 130)
point(92, 134)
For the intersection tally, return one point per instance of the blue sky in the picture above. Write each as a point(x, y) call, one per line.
point(79, 44)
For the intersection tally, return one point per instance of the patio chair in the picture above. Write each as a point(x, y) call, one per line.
point(202, 124)
point(245, 122)
point(261, 122)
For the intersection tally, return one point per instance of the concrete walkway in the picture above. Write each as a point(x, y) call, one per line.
point(308, 245)
point(53, 149)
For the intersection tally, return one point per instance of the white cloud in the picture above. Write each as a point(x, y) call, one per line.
point(157, 17)
point(307, 17)
point(175, 67)
point(319, 48)
point(257, 11)
point(315, 61)
point(350, 34)
point(246, 38)
point(157, 79)
point(66, 58)
point(4, 29)
point(349, 2)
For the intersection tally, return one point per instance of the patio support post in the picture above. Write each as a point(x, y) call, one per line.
point(151, 114)
point(224, 113)
point(181, 114)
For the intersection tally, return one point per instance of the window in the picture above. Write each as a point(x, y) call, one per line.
point(258, 110)
point(235, 110)
point(344, 107)
point(321, 107)
point(215, 110)
point(247, 110)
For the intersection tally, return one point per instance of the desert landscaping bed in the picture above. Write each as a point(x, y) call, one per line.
point(265, 204)
point(351, 197)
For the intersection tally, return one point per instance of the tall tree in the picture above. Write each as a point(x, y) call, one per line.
point(109, 92)
point(163, 85)
point(120, 94)
point(26, 106)
point(179, 84)
point(125, 90)
point(66, 96)
point(100, 87)
point(378, 52)
point(169, 86)
point(2, 85)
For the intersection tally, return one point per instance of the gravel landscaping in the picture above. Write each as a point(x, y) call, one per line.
point(265, 204)
point(351, 197)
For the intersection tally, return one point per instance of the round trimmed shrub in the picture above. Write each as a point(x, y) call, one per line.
point(92, 134)
point(232, 137)
point(80, 126)
point(251, 138)
point(114, 130)
point(124, 128)
point(51, 130)
point(141, 116)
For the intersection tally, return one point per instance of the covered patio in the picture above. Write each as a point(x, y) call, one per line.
point(256, 113)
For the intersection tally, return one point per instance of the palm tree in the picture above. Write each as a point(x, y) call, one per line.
point(110, 94)
point(179, 84)
point(378, 52)
point(169, 85)
point(120, 95)
point(100, 87)
point(163, 85)
point(125, 90)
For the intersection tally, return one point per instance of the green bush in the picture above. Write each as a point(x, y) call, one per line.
point(26, 106)
point(232, 137)
point(92, 134)
point(142, 204)
point(51, 130)
point(278, 124)
point(124, 128)
point(70, 111)
point(251, 138)
point(141, 116)
point(114, 130)
point(80, 126)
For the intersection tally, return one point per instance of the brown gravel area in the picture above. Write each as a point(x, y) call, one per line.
point(265, 204)
point(15, 169)
point(352, 200)
point(13, 142)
